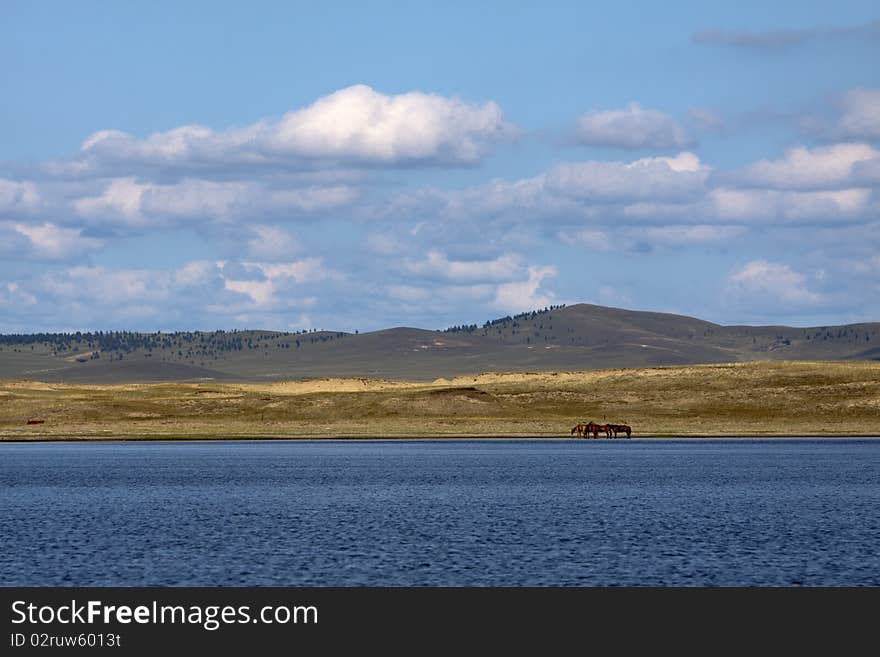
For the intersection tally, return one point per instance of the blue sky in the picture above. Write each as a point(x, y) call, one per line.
point(364, 165)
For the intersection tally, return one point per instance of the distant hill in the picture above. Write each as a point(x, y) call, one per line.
point(578, 337)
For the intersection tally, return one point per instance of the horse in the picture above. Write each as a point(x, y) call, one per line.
point(622, 428)
point(594, 429)
point(580, 429)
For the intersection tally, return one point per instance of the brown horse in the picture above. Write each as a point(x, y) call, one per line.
point(621, 428)
point(580, 429)
point(594, 429)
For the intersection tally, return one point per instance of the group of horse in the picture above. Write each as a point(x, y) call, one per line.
point(587, 429)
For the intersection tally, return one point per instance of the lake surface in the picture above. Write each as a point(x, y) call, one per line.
point(542, 512)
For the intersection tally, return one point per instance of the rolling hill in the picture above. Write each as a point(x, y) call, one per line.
point(577, 337)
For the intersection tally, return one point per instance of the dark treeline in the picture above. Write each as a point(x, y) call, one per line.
point(202, 342)
point(502, 321)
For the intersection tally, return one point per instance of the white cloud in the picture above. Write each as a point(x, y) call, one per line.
point(638, 237)
point(804, 168)
point(264, 282)
point(520, 296)
point(663, 191)
point(302, 271)
point(196, 274)
point(829, 183)
point(860, 115)
point(361, 124)
point(127, 201)
point(120, 198)
point(760, 205)
point(436, 265)
point(659, 178)
point(218, 292)
point(261, 292)
point(18, 198)
point(195, 280)
point(103, 287)
point(271, 243)
point(631, 128)
point(356, 126)
point(597, 190)
point(761, 282)
point(853, 116)
point(12, 294)
point(53, 242)
point(525, 291)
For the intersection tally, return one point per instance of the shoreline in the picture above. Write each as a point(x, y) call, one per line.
point(427, 438)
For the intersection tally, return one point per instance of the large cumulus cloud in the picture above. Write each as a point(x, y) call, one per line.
point(357, 126)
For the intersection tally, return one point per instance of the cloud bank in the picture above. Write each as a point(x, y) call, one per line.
point(323, 214)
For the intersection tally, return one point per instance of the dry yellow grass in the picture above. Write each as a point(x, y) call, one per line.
point(760, 399)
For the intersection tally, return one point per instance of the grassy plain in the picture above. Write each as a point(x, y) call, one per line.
point(779, 398)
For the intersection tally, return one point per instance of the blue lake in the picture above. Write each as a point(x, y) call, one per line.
point(532, 512)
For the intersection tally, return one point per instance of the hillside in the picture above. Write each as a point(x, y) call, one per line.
point(578, 337)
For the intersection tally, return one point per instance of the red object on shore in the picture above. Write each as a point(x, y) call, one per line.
point(36, 421)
